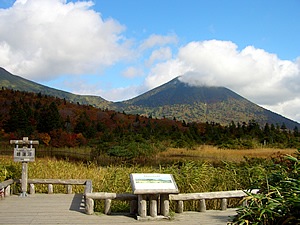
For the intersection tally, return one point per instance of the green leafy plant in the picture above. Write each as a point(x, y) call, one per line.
point(279, 199)
point(8, 172)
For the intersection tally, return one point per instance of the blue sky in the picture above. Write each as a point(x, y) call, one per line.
point(118, 49)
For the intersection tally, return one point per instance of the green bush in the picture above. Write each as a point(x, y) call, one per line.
point(278, 201)
point(9, 172)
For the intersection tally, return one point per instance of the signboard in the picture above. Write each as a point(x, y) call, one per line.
point(24, 154)
point(153, 183)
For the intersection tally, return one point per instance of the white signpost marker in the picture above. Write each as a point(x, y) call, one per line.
point(24, 152)
point(153, 186)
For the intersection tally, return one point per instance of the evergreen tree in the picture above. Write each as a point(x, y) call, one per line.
point(85, 126)
point(49, 119)
point(19, 119)
point(296, 132)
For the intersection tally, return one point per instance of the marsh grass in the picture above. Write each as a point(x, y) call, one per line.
point(213, 154)
point(195, 175)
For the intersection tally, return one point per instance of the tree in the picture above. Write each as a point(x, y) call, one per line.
point(19, 119)
point(85, 126)
point(49, 118)
point(296, 132)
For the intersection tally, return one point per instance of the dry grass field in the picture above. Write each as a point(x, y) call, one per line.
point(214, 154)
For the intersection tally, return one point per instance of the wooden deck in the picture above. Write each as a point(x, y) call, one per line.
point(69, 209)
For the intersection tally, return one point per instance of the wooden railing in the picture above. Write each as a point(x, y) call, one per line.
point(68, 183)
point(5, 185)
point(179, 198)
point(223, 195)
point(5, 188)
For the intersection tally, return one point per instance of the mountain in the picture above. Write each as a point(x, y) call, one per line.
point(10, 81)
point(181, 101)
point(173, 100)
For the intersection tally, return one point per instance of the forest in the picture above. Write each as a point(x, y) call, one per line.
point(58, 123)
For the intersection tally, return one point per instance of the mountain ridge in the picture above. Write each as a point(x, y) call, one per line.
point(173, 100)
point(15, 82)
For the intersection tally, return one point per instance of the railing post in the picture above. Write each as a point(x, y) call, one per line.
point(202, 205)
point(50, 188)
point(89, 206)
point(165, 204)
point(153, 205)
point(7, 191)
point(31, 189)
point(224, 204)
point(180, 206)
point(107, 206)
point(142, 205)
point(69, 189)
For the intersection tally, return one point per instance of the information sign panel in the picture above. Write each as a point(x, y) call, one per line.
point(153, 183)
point(24, 154)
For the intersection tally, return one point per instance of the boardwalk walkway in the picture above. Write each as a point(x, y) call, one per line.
point(68, 209)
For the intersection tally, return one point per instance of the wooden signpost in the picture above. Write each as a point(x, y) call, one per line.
point(24, 152)
point(156, 188)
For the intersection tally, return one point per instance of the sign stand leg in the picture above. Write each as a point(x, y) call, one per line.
point(24, 179)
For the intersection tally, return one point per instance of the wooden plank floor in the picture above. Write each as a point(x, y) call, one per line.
point(68, 209)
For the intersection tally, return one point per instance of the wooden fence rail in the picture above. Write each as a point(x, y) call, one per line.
point(5, 188)
point(223, 195)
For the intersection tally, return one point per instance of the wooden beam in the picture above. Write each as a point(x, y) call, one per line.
point(25, 141)
point(107, 195)
point(6, 183)
point(57, 181)
point(210, 195)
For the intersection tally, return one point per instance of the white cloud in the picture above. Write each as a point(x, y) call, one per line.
point(158, 40)
point(116, 94)
point(160, 54)
point(120, 94)
point(42, 39)
point(132, 72)
point(164, 72)
point(289, 109)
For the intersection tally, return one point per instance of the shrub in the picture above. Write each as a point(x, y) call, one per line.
point(279, 199)
point(9, 172)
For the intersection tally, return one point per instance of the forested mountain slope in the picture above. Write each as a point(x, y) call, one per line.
point(173, 100)
point(179, 100)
